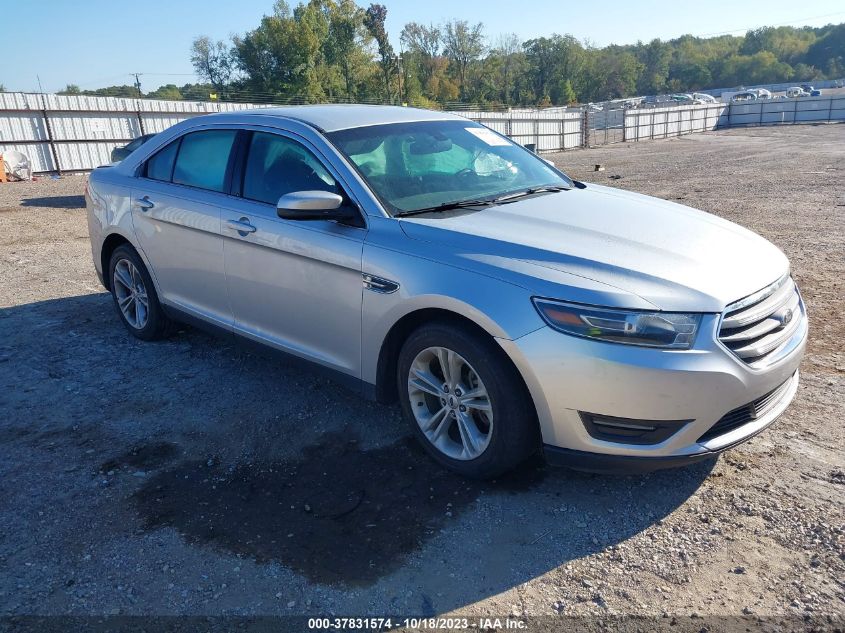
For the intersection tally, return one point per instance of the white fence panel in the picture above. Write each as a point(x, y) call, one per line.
point(80, 131)
point(663, 122)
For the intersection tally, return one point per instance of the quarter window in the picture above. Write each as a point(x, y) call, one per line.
point(203, 158)
point(277, 165)
point(160, 166)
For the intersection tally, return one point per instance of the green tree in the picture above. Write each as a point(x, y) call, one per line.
point(169, 92)
point(212, 61)
point(569, 96)
point(510, 64)
point(828, 52)
point(283, 54)
point(70, 89)
point(655, 58)
point(423, 44)
point(345, 41)
point(759, 68)
point(463, 44)
point(374, 21)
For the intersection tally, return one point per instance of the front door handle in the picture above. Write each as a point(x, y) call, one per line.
point(145, 203)
point(242, 226)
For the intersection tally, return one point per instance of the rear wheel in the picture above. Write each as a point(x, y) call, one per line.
point(465, 401)
point(135, 297)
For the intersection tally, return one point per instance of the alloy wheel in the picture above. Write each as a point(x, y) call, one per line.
point(450, 403)
point(131, 294)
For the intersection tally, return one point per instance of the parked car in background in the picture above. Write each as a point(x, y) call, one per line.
point(744, 97)
point(703, 97)
point(808, 88)
point(422, 257)
point(682, 98)
point(795, 92)
point(120, 153)
point(815, 93)
point(761, 93)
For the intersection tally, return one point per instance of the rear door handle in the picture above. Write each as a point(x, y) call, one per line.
point(145, 203)
point(242, 226)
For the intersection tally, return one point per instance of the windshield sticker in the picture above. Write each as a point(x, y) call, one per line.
point(487, 135)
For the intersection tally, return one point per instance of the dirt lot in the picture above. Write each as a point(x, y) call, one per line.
point(192, 477)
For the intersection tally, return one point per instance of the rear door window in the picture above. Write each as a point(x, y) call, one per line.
point(203, 159)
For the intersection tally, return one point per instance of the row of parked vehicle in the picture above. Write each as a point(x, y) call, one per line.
point(757, 94)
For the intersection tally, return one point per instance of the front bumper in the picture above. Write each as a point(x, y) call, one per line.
point(568, 375)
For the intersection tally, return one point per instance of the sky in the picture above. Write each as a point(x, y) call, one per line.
point(97, 43)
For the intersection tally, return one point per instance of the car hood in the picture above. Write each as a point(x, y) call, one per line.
point(671, 256)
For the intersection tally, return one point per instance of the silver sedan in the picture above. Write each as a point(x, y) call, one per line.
point(422, 257)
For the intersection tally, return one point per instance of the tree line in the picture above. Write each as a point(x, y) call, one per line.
point(336, 50)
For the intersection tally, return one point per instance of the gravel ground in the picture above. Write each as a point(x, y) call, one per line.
point(193, 477)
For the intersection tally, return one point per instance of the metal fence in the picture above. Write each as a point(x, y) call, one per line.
point(676, 120)
point(66, 133)
point(663, 122)
point(552, 130)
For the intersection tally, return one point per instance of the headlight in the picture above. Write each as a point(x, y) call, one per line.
point(671, 330)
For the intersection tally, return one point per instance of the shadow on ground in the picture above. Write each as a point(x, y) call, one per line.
point(318, 499)
point(55, 202)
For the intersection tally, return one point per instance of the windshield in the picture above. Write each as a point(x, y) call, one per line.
point(429, 164)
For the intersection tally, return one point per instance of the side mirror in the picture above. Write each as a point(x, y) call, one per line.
point(312, 205)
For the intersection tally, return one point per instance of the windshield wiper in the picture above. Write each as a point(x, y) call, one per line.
point(504, 199)
point(510, 197)
point(448, 206)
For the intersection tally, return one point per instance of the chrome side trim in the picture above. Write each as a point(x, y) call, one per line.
point(379, 284)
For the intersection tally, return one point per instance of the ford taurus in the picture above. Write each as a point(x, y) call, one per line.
point(422, 257)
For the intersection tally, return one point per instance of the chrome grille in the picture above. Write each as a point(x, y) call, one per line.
point(758, 327)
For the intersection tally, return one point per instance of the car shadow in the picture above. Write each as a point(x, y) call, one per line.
point(261, 459)
point(55, 202)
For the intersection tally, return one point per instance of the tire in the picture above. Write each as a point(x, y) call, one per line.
point(132, 287)
point(481, 439)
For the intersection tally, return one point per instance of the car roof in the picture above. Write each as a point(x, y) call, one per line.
point(333, 117)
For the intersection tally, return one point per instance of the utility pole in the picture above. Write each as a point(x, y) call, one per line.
point(138, 84)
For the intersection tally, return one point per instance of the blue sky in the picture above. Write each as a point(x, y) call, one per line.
point(96, 43)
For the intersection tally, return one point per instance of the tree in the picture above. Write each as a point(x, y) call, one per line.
point(463, 45)
point(508, 50)
point(759, 68)
point(552, 61)
point(374, 21)
point(212, 61)
point(70, 89)
point(346, 32)
point(283, 55)
point(323, 50)
point(655, 58)
point(423, 44)
point(2, 88)
point(828, 52)
point(569, 96)
point(169, 92)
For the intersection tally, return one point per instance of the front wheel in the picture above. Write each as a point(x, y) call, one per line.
point(465, 401)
